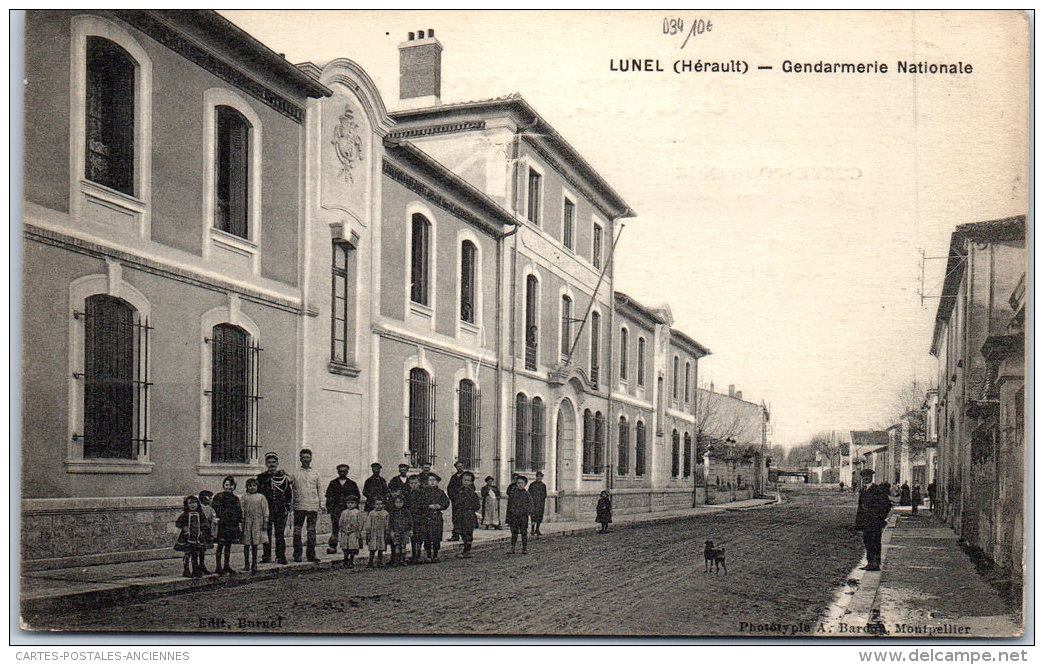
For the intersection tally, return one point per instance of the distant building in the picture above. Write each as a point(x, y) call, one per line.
point(862, 441)
point(978, 341)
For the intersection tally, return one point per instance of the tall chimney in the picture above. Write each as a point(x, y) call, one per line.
point(420, 70)
point(732, 390)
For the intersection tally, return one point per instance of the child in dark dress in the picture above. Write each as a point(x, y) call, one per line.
point(417, 510)
point(205, 497)
point(465, 511)
point(518, 509)
point(605, 511)
point(400, 526)
point(229, 523)
point(192, 537)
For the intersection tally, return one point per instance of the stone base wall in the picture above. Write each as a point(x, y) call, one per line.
point(582, 505)
point(60, 532)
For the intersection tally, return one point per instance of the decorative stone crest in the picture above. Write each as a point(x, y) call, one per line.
point(348, 144)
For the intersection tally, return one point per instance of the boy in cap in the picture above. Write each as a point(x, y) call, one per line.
point(518, 509)
point(375, 488)
point(337, 494)
point(465, 509)
point(401, 482)
point(538, 495)
point(276, 486)
point(434, 501)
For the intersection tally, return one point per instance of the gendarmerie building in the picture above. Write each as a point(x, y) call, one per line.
point(226, 254)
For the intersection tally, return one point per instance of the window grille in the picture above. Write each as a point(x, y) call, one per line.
point(674, 454)
point(109, 155)
point(235, 395)
point(596, 333)
point(233, 158)
point(641, 361)
point(687, 458)
point(419, 255)
point(467, 282)
point(536, 434)
point(469, 413)
point(521, 431)
point(339, 335)
point(421, 416)
point(115, 380)
point(589, 444)
point(533, 212)
point(568, 217)
point(599, 442)
point(639, 449)
point(622, 447)
point(567, 325)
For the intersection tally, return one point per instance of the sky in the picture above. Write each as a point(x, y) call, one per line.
point(781, 215)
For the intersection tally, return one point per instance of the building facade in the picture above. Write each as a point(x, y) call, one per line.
point(981, 399)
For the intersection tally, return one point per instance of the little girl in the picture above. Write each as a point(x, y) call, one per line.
point(205, 497)
point(605, 511)
point(377, 532)
point(490, 505)
point(351, 525)
point(255, 524)
point(400, 526)
point(192, 537)
point(229, 523)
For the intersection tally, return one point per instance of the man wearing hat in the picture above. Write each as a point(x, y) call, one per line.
point(338, 492)
point(375, 488)
point(456, 483)
point(401, 482)
point(538, 497)
point(276, 486)
point(871, 517)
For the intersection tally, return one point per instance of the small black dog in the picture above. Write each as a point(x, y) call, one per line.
point(713, 556)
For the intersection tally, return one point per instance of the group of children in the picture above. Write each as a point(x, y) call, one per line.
point(410, 514)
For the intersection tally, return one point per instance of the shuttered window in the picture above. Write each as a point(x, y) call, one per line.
point(536, 434)
point(234, 395)
point(675, 454)
point(623, 445)
point(639, 449)
point(533, 208)
point(596, 334)
point(568, 219)
point(467, 281)
point(109, 154)
point(567, 325)
point(532, 332)
point(233, 158)
point(420, 251)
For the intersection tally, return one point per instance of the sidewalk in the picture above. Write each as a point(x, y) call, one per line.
point(49, 590)
point(927, 587)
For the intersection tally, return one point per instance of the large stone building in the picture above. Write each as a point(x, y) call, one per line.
point(241, 255)
point(981, 398)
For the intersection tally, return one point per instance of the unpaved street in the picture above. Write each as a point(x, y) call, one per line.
point(784, 563)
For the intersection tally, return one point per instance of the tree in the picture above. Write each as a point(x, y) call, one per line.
point(722, 420)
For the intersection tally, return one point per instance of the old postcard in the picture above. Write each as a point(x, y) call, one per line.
point(604, 323)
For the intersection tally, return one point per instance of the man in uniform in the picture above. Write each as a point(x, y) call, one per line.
point(456, 483)
point(276, 486)
point(871, 517)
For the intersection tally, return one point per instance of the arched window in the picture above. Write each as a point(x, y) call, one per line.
point(232, 181)
point(536, 434)
point(687, 458)
point(639, 449)
point(521, 432)
point(589, 444)
point(623, 445)
point(688, 368)
point(468, 255)
point(420, 254)
point(641, 361)
point(568, 217)
point(468, 423)
point(596, 333)
point(421, 414)
point(599, 442)
point(675, 444)
point(532, 331)
point(674, 379)
point(109, 155)
point(623, 354)
point(567, 324)
point(233, 395)
point(114, 397)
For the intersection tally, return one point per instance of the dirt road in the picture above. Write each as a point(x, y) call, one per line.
point(784, 563)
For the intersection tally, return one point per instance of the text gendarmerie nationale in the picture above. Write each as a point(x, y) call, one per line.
point(697, 66)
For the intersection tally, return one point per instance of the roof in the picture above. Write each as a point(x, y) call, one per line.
point(869, 437)
point(991, 231)
point(700, 349)
point(243, 45)
point(464, 190)
point(515, 103)
point(627, 301)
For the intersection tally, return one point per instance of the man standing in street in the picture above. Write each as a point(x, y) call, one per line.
point(871, 517)
point(456, 482)
point(375, 488)
point(338, 492)
point(308, 503)
point(276, 486)
point(538, 497)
